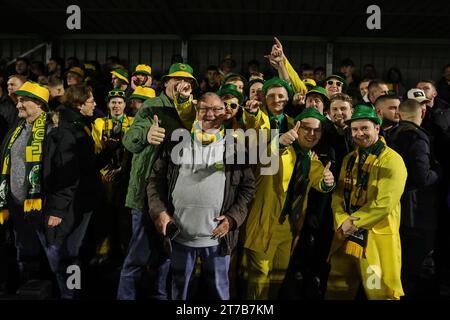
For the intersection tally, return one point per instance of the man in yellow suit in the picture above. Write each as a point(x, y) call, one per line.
point(268, 233)
point(366, 206)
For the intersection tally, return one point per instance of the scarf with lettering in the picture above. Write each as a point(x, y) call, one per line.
point(115, 128)
point(33, 165)
point(355, 196)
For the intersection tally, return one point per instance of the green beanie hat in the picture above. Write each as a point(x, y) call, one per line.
point(364, 112)
point(275, 81)
point(116, 93)
point(310, 113)
point(121, 73)
point(322, 92)
point(232, 90)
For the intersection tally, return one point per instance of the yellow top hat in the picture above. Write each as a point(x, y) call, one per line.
point(144, 93)
point(143, 68)
point(34, 90)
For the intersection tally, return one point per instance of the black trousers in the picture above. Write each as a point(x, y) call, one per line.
point(418, 279)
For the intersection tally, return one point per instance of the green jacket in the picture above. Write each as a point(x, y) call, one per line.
point(171, 116)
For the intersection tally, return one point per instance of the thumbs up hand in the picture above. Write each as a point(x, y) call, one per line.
point(290, 136)
point(156, 134)
point(327, 176)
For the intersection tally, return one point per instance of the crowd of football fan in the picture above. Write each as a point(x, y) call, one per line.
point(356, 206)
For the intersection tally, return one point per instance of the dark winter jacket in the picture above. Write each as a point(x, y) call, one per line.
point(86, 196)
point(239, 192)
point(67, 187)
point(8, 111)
point(418, 200)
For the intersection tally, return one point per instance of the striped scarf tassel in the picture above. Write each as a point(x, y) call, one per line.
point(4, 214)
point(31, 205)
point(354, 249)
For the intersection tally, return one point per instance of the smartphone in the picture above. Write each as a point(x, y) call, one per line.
point(172, 230)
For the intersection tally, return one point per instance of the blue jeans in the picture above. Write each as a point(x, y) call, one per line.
point(138, 256)
point(214, 267)
point(30, 236)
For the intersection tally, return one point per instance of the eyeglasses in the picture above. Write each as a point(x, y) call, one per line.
point(116, 94)
point(215, 110)
point(231, 105)
point(334, 82)
point(310, 130)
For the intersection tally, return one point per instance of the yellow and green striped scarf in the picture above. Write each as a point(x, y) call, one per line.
point(206, 138)
point(355, 194)
point(33, 165)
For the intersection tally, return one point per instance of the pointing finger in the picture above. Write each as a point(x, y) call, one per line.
point(277, 42)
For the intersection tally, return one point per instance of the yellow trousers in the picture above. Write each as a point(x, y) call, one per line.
point(264, 268)
point(346, 275)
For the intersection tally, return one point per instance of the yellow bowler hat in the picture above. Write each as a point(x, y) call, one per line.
point(144, 69)
point(143, 92)
point(34, 90)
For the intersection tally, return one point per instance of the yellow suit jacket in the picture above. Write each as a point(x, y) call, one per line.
point(271, 190)
point(380, 215)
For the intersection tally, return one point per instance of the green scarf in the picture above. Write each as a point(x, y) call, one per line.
point(33, 165)
point(356, 243)
point(297, 187)
point(278, 122)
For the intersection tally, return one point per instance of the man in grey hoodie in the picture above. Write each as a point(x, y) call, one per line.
point(205, 193)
